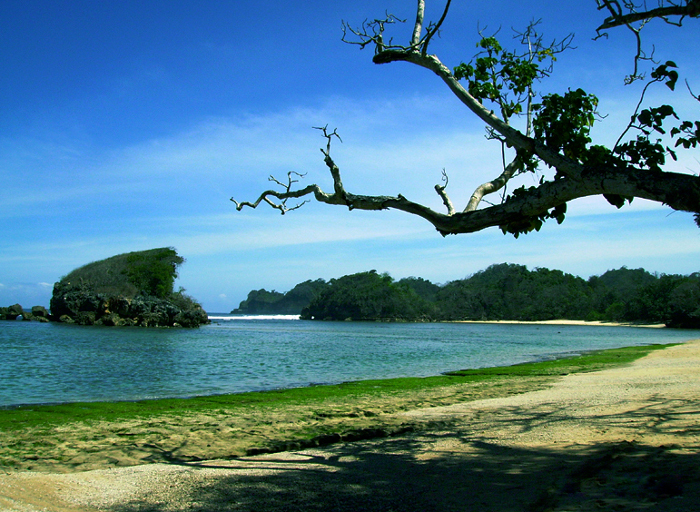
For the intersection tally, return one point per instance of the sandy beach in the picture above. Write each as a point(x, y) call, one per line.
point(620, 439)
point(562, 322)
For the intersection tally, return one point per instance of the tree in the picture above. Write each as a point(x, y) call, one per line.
point(511, 292)
point(553, 139)
point(154, 272)
point(367, 296)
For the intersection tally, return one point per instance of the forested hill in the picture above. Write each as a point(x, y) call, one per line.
point(501, 292)
point(262, 302)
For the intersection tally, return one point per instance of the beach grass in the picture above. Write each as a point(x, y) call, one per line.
point(92, 435)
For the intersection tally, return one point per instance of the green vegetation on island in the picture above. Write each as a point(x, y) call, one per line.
point(135, 288)
point(152, 272)
point(368, 296)
point(260, 302)
point(501, 292)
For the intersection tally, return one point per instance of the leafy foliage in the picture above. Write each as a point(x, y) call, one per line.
point(504, 77)
point(367, 296)
point(564, 123)
point(422, 287)
point(528, 223)
point(260, 302)
point(509, 292)
point(276, 303)
point(151, 272)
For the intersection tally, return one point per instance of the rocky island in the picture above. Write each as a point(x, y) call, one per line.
point(132, 289)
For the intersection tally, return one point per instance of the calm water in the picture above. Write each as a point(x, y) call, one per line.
point(48, 363)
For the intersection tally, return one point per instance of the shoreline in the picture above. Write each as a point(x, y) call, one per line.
point(231, 317)
point(267, 421)
point(620, 437)
point(540, 359)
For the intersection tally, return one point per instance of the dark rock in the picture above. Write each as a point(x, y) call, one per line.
point(40, 312)
point(85, 318)
point(84, 307)
point(66, 319)
point(119, 306)
point(15, 312)
point(110, 320)
point(191, 318)
point(12, 312)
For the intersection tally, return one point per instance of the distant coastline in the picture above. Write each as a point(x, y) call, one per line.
point(561, 321)
point(502, 291)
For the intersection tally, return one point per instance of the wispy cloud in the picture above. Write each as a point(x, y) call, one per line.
point(173, 191)
point(387, 148)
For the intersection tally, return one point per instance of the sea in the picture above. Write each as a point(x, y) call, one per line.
point(49, 363)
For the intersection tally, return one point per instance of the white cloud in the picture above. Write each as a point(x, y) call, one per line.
point(388, 148)
point(174, 191)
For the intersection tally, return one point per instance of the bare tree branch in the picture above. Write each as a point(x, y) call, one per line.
point(434, 29)
point(440, 189)
point(587, 171)
point(679, 191)
point(418, 27)
point(283, 196)
point(512, 136)
point(494, 185)
point(372, 32)
point(618, 18)
point(632, 13)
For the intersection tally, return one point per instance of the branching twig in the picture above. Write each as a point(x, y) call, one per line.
point(372, 32)
point(418, 26)
point(283, 196)
point(495, 185)
point(663, 12)
point(633, 117)
point(638, 13)
point(525, 208)
point(440, 189)
point(433, 29)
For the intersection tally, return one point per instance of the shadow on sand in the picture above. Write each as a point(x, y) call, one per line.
point(462, 470)
point(623, 476)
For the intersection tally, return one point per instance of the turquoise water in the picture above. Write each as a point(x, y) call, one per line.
point(50, 363)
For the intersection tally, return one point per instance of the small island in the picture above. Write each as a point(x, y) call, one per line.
point(135, 288)
point(131, 289)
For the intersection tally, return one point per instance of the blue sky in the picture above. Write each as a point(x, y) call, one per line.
point(128, 125)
